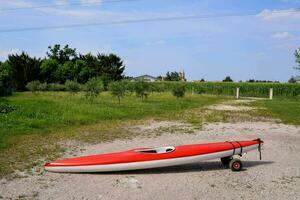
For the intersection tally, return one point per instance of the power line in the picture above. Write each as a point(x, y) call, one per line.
point(146, 20)
point(64, 5)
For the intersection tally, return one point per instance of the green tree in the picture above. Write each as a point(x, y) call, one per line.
point(110, 65)
point(88, 67)
point(178, 90)
point(62, 55)
point(48, 71)
point(5, 79)
point(67, 71)
point(142, 89)
point(227, 79)
point(24, 69)
point(118, 89)
point(93, 88)
point(173, 76)
point(84, 72)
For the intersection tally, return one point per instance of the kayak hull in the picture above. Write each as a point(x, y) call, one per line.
point(127, 166)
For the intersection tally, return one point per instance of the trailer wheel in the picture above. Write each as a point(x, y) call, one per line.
point(226, 160)
point(235, 165)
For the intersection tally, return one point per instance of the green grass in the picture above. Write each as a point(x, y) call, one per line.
point(42, 119)
point(44, 113)
point(287, 110)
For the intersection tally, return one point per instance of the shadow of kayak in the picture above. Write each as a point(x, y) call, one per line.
point(195, 167)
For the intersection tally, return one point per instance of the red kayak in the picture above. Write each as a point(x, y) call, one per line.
point(145, 158)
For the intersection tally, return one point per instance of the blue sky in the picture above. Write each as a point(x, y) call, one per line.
point(260, 46)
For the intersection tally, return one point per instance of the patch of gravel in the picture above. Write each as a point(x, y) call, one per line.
point(223, 107)
point(157, 128)
point(277, 176)
point(234, 105)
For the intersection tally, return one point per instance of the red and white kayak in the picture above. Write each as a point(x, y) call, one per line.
point(145, 158)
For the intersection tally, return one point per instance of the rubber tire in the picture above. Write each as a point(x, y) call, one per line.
point(226, 160)
point(235, 165)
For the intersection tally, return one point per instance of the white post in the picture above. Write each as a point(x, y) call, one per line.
point(237, 93)
point(271, 93)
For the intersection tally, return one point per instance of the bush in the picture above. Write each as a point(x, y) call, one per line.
point(72, 86)
point(43, 87)
point(178, 90)
point(33, 86)
point(142, 89)
point(56, 87)
point(118, 89)
point(93, 88)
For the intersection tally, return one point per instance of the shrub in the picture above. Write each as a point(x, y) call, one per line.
point(93, 88)
point(118, 89)
point(142, 89)
point(56, 87)
point(43, 87)
point(178, 90)
point(72, 86)
point(33, 86)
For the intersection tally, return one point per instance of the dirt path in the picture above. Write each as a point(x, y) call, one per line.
point(277, 176)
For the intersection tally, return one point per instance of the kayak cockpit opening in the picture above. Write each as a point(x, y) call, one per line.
point(157, 150)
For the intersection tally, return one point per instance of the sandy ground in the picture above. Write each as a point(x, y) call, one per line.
point(277, 176)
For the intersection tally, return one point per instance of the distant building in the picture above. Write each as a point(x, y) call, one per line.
point(147, 78)
point(297, 79)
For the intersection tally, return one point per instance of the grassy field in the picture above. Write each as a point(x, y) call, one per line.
point(287, 110)
point(40, 120)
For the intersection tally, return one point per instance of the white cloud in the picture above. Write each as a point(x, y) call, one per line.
point(7, 52)
point(281, 35)
point(69, 12)
point(279, 14)
point(61, 11)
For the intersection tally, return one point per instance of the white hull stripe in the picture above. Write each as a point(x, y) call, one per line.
point(149, 164)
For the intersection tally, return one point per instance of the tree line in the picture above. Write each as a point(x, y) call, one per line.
point(62, 63)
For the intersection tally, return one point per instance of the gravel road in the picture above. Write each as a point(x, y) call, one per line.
point(277, 176)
